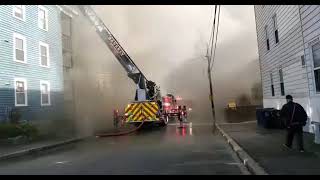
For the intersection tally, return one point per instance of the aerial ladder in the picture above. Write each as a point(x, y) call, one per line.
point(147, 104)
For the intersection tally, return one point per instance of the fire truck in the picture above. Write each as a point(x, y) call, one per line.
point(173, 109)
point(147, 105)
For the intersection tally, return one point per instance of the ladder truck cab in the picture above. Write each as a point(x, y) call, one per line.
point(147, 104)
point(173, 109)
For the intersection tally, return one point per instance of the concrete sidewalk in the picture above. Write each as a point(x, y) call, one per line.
point(11, 151)
point(265, 147)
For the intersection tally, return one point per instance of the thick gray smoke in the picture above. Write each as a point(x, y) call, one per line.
point(168, 44)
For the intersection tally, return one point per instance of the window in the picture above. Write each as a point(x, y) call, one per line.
point(267, 37)
point(275, 28)
point(19, 47)
point(44, 54)
point(281, 82)
point(20, 87)
point(303, 62)
point(19, 12)
point(316, 65)
point(45, 93)
point(272, 87)
point(43, 18)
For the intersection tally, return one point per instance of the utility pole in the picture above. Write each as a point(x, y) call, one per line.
point(211, 92)
point(210, 58)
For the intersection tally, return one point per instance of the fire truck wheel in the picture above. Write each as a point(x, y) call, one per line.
point(165, 121)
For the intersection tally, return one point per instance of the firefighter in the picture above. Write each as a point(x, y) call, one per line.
point(180, 116)
point(184, 110)
point(116, 118)
point(295, 118)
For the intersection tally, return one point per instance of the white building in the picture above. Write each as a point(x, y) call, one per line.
point(289, 53)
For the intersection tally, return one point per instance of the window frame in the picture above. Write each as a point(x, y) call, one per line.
point(314, 68)
point(40, 7)
point(267, 37)
point(23, 8)
point(49, 93)
point(48, 54)
point(282, 91)
point(272, 85)
point(24, 80)
point(303, 61)
point(23, 38)
point(275, 28)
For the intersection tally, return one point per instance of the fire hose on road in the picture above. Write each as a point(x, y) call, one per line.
point(120, 133)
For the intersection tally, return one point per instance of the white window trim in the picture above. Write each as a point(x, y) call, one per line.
point(266, 32)
point(281, 74)
point(16, 35)
point(49, 93)
point(275, 22)
point(48, 54)
point(47, 17)
point(272, 84)
point(316, 93)
point(25, 89)
point(23, 13)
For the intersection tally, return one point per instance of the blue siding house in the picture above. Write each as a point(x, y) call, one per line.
point(31, 64)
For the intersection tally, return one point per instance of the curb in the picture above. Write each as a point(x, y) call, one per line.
point(38, 149)
point(247, 161)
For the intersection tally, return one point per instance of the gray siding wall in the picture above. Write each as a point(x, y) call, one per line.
point(310, 20)
point(286, 54)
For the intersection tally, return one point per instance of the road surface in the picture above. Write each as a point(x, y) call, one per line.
point(191, 150)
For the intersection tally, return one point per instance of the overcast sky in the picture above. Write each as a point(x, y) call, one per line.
point(173, 34)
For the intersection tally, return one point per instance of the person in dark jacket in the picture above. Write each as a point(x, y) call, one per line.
point(295, 118)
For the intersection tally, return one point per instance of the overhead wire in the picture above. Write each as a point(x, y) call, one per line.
point(211, 13)
point(216, 39)
point(213, 31)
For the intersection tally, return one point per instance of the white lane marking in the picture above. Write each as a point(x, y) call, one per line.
point(190, 124)
point(206, 162)
point(245, 122)
point(61, 162)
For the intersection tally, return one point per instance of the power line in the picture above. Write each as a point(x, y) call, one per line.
point(212, 39)
point(215, 43)
point(211, 13)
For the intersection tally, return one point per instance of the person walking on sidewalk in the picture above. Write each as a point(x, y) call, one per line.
point(295, 118)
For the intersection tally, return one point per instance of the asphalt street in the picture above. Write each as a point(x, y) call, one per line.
point(194, 149)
